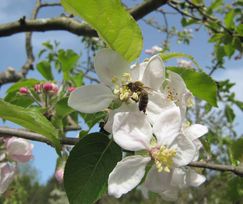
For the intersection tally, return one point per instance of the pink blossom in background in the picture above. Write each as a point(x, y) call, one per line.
point(38, 88)
point(7, 172)
point(59, 175)
point(19, 149)
point(71, 89)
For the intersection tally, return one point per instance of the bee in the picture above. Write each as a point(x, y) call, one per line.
point(140, 89)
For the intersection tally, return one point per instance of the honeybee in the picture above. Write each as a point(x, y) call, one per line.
point(140, 89)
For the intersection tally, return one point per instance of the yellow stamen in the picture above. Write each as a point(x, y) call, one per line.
point(163, 158)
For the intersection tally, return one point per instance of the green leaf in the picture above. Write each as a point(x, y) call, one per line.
point(199, 83)
point(44, 67)
point(113, 23)
point(88, 167)
point(230, 115)
point(92, 119)
point(68, 60)
point(18, 99)
point(229, 19)
point(236, 148)
point(31, 119)
point(24, 83)
point(170, 55)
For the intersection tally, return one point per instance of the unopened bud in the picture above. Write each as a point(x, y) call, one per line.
point(50, 87)
point(38, 88)
point(71, 89)
point(23, 90)
point(59, 175)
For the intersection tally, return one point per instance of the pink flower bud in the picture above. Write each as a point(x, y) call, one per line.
point(50, 87)
point(38, 88)
point(19, 149)
point(59, 175)
point(23, 90)
point(71, 89)
point(7, 172)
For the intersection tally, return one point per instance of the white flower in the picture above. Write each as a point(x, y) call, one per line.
point(168, 149)
point(7, 172)
point(19, 149)
point(176, 91)
point(115, 75)
point(185, 63)
point(155, 49)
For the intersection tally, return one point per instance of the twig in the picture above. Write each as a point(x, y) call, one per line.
point(219, 167)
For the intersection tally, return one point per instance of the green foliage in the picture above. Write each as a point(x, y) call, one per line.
point(23, 83)
point(44, 67)
point(31, 119)
point(88, 167)
point(113, 23)
point(92, 119)
point(229, 112)
point(68, 60)
point(199, 83)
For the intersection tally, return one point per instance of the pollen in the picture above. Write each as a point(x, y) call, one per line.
point(172, 95)
point(163, 158)
point(126, 78)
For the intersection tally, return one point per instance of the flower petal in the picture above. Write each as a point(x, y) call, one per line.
point(108, 64)
point(185, 151)
point(127, 175)
point(179, 178)
point(91, 98)
point(154, 73)
point(137, 71)
point(168, 125)
point(157, 182)
point(195, 131)
point(123, 108)
point(171, 194)
point(194, 179)
point(132, 131)
point(157, 104)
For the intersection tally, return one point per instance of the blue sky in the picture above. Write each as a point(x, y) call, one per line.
point(12, 54)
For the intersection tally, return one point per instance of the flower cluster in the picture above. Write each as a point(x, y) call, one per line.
point(149, 121)
point(13, 150)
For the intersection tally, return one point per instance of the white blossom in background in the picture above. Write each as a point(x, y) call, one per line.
point(7, 173)
point(154, 50)
point(19, 149)
point(185, 63)
point(168, 149)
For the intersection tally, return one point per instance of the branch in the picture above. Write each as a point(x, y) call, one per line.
point(71, 25)
point(219, 167)
point(21, 133)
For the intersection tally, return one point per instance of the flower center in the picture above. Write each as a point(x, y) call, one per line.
point(163, 158)
point(172, 94)
point(123, 89)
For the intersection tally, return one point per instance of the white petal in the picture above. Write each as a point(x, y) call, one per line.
point(168, 125)
point(91, 98)
point(108, 64)
point(177, 83)
point(179, 178)
point(157, 182)
point(154, 73)
point(185, 151)
point(137, 71)
point(127, 175)
point(198, 146)
point(132, 131)
point(124, 108)
point(195, 179)
point(157, 104)
point(170, 194)
point(195, 131)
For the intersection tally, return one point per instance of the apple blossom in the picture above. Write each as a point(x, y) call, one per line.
point(115, 75)
point(7, 172)
point(19, 149)
point(163, 143)
point(155, 49)
point(176, 91)
point(185, 63)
